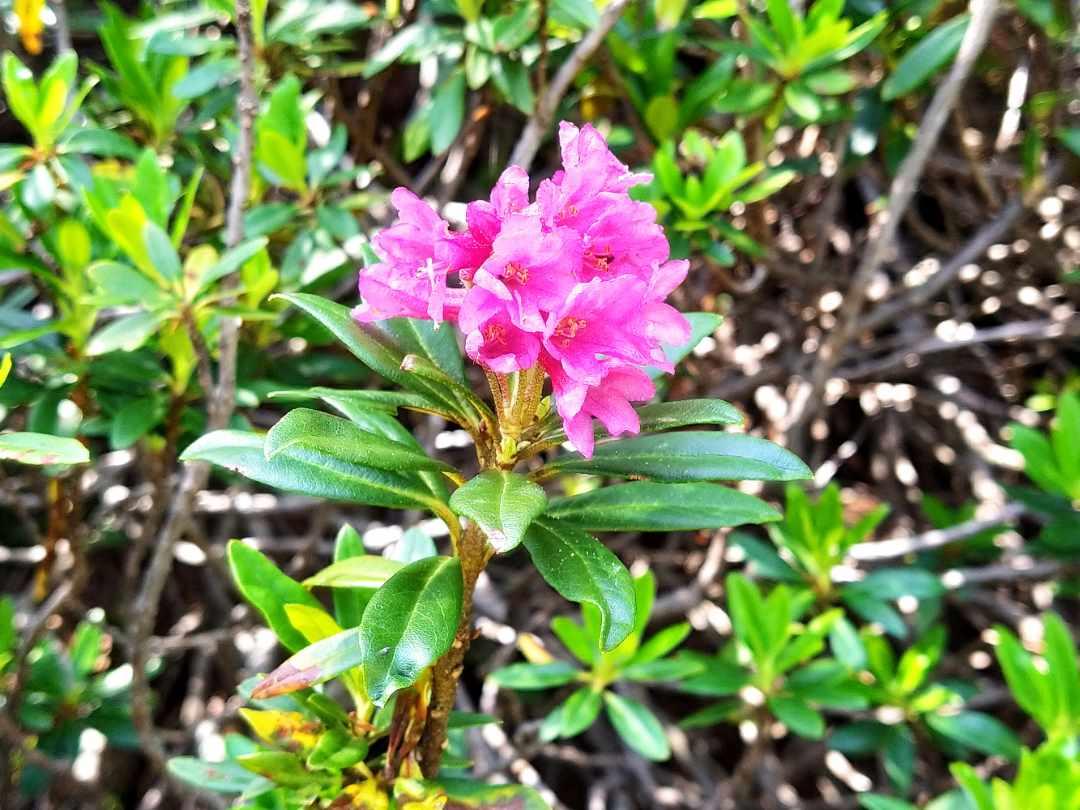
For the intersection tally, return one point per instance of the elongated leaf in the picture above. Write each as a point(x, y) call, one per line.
point(978, 731)
point(525, 677)
point(469, 795)
point(437, 344)
point(339, 438)
point(502, 504)
point(269, 590)
point(645, 506)
point(372, 346)
point(364, 571)
point(348, 403)
point(307, 471)
point(409, 622)
point(637, 726)
point(931, 53)
point(314, 664)
point(582, 570)
point(799, 716)
point(42, 449)
point(702, 324)
point(349, 603)
point(689, 456)
point(218, 777)
point(124, 334)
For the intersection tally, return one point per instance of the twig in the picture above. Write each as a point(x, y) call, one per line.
point(902, 546)
point(547, 104)
point(901, 192)
point(986, 236)
point(220, 407)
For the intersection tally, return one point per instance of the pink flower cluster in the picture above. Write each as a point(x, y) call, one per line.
point(575, 281)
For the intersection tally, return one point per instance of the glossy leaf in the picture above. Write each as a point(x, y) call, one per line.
point(582, 570)
point(502, 504)
point(689, 456)
point(934, 51)
point(342, 439)
point(314, 664)
point(409, 622)
point(653, 507)
point(269, 590)
point(42, 449)
point(307, 471)
point(637, 726)
point(360, 571)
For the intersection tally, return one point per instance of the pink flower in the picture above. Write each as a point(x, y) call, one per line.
point(470, 248)
point(575, 281)
point(410, 281)
point(601, 319)
point(491, 338)
point(609, 402)
point(530, 269)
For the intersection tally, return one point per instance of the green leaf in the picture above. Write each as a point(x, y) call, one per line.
point(872, 801)
point(528, 677)
point(645, 506)
point(231, 261)
point(409, 623)
point(218, 777)
point(307, 471)
point(42, 449)
point(362, 571)
point(120, 284)
point(574, 637)
point(702, 324)
point(582, 570)
point(269, 590)
point(375, 349)
point(465, 793)
point(801, 99)
point(133, 421)
point(447, 111)
point(349, 603)
point(798, 716)
point(977, 731)
point(637, 726)
point(662, 643)
point(502, 504)
point(931, 53)
point(748, 615)
point(126, 333)
point(689, 456)
point(436, 343)
point(579, 711)
point(314, 664)
point(160, 249)
point(341, 439)
point(680, 413)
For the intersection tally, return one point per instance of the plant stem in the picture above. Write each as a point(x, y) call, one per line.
point(475, 553)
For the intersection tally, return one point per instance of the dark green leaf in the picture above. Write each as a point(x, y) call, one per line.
point(525, 677)
point(582, 570)
point(645, 506)
point(689, 456)
point(926, 58)
point(977, 731)
point(502, 504)
point(409, 622)
point(798, 716)
point(269, 590)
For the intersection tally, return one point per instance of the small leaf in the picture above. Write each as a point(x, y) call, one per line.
point(42, 449)
point(526, 677)
point(502, 504)
point(349, 603)
point(582, 570)
point(646, 506)
point(362, 571)
point(579, 711)
point(314, 664)
point(798, 716)
point(269, 590)
point(927, 57)
point(447, 112)
point(217, 777)
point(637, 726)
point(126, 333)
point(409, 623)
point(977, 731)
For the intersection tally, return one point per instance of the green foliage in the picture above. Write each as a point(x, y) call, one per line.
point(69, 687)
point(636, 659)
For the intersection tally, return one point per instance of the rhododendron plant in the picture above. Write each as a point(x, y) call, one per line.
point(574, 281)
point(567, 287)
